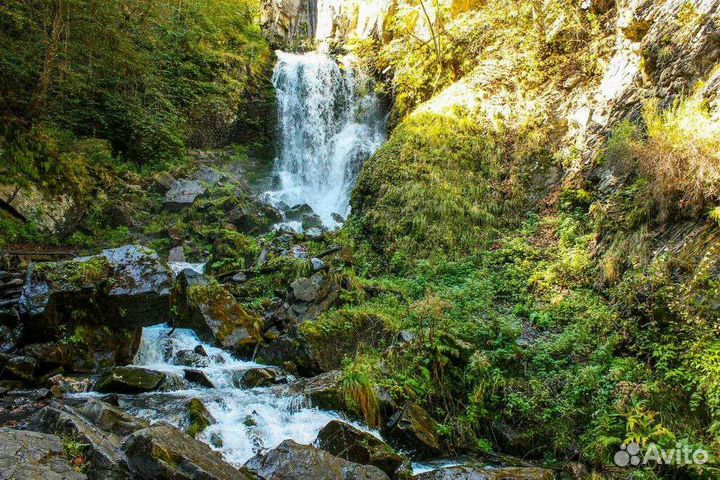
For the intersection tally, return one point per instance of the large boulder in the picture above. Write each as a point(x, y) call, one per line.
point(215, 315)
point(34, 455)
point(199, 418)
point(182, 194)
point(345, 441)
point(129, 380)
point(259, 377)
point(292, 461)
point(322, 391)
point(485, 473)
point(122, 288)
point(19, 368)
point(103, 458)
point(162, 451)
point(412, 429)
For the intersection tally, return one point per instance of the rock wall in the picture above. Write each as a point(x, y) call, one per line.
point(290, 21)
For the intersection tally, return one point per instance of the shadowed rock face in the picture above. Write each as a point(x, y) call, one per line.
point(292, 461)
point(28, 455)
point(472, 473)
point(126, 287)
point(129, 380)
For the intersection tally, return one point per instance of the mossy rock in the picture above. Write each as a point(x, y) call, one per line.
point(129, 380)
point(199, 416)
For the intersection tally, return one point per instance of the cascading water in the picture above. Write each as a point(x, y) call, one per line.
point(329, 125)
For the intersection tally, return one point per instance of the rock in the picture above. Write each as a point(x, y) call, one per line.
point(176, 255)
point(317, 264)
point(413, 429)
point(162, 451)
point(182, 194)
point(306, 289)
point(129, 380)
point(240, 277)
point(297, 212)
point(338, 218)
point(214, 314)
point(121, 216)
point(53, 354)
point(34, 455)
point(260, 377)
point(345, 441)
point(199, 377)
point(292, 461)
point(199, 417)
point(190, 358)
point(110, 418)
point(249, 220)
point(129, 285)
point(484, 473)
point(311, 220)
point(61, 385)
point(576, 471)
point(162, 182)
point(104, 460)
point(200, 350)
point(20, 368)
point(323, 391)
point(315, 234)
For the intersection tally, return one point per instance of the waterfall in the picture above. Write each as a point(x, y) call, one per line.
point(329, 125)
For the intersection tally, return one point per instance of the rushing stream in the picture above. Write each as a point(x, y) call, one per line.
point(329, 124)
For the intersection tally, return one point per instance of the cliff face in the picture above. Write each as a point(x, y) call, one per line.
point(287, 21)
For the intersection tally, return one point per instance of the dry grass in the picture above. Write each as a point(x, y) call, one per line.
point(681, 156)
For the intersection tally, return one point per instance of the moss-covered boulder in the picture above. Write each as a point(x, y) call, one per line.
point(323, 391)
point(345, 441)
point(162, 451)
point(199, 418)
point(485, 473)
point(259, 377)
point(210, 310)
point(414, 430)
point(129, 380)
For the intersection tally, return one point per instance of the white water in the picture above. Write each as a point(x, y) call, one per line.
point(248, 420)
point(328, 126)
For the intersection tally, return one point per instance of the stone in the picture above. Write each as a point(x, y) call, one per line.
point(19, 368)
point(260, 377)
point(162, 182)
point(176, 255)
point(199, 417)
point(317, 264)
point(345, 441)
point(129, 380)
point(198, 377)
point(162, 451)
point(485, 473)
point(110, 418)
point(338, 218)
point(182, 194)
point(296, 212)
point(103, 459)
point(306, 289)
point(413, 429)
point(323, 391)
point(53, 354)
point(34, 455)
point(200, 350)
point(129, 285)
point(249, 220)
point(311, 220)
point(190, 358)
point(292, 461)
point(61, 385)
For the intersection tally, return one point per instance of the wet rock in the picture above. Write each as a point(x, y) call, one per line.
point(52, 355)
point(129, 380)
point(198, 377)
point(19, 368)
point(122, 288)
point(306, 289)
point(162, 451)
point(260, 377)
point(413, 429)
point(176, 254)
point(216, 317)
point(240, 277)
point(345, 441)
point(297, 212)
point(182, 194)
point(199, 417)
point(292, 461)
point(110, 418)
point(250, 219)
point(338, 218)
point(483, 473)
point(34, 455)
point(317, 264)
point(323, 391)
point(311, 220)
point(200, 350)
point(104, 460)
point(190, 358)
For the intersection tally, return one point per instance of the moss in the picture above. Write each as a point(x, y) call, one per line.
point(91, 272)
point(199, 417)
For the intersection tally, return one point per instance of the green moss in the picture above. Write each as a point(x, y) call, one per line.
point(91, 272)
point(199, 418)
